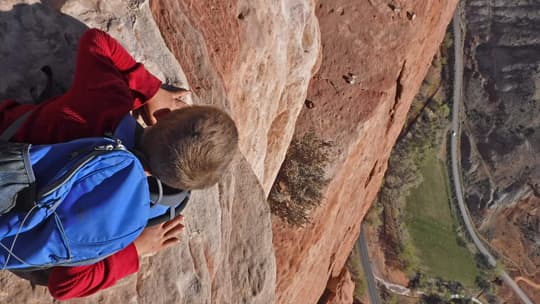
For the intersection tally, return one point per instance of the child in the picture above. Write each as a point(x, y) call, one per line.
point(189, 147)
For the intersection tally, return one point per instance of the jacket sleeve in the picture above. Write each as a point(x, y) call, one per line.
point(96, 45)
point(80, 281)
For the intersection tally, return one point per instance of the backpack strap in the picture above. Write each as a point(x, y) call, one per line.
point(164, 195)
point(174, 212)
point(129, 131)
point(14, 127)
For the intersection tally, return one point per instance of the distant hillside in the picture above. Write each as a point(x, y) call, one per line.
point(501, 144)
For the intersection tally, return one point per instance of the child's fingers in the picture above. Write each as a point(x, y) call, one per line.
point(170, 242)
point(175, 221)
point(175, 231)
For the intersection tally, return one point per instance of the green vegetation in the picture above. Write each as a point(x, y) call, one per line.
point(298, 186)
point(418, 227)
point(354, 265)
point(423, 134)
point(431, 226)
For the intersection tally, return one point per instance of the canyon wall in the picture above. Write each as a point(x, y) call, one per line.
point(501, 99)
point(254, 57)
point(375, 56)
point(501, 136)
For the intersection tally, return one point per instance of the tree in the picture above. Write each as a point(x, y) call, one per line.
point(482, 283)
point(432, 299)
point(482, 261)
point(301, 179)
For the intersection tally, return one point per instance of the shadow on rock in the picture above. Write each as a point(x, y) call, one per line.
point(36, 40)
point(33, 36)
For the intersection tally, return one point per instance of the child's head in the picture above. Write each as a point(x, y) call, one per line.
point(191, 148)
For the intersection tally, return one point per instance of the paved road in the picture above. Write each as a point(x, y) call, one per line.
point(398, 289)
point(366, 266)
point(458, 83)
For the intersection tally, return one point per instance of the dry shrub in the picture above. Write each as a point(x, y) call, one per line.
point(301, 179)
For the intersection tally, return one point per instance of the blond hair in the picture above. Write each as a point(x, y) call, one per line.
point(191, 148)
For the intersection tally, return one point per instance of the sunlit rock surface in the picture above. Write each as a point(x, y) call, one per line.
point(388, 51)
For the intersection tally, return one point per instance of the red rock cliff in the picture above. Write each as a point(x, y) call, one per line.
point(387, 47)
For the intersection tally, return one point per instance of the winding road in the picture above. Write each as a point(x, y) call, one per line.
point(457, 96)
point(458, 84)
point(366, 266)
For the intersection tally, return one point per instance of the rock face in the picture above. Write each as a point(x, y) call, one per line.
point(226, 255)
point(254, 59)
point(339, 290)
point(502, 102)
point(389, 53)
point(35, 34)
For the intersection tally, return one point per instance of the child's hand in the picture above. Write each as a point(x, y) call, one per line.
point(162, 103)
point(154, 239)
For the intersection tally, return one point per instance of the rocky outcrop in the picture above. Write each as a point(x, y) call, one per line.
point(386, 49)
point(35, 34)
point(226, 255)
point(254, 57)
point(515, 234)
point(339, 290)
point(502, 102)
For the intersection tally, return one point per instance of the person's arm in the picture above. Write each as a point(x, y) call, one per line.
point(80, 281)
point(96, 45)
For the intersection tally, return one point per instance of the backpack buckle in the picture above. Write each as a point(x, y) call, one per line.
point(116, 146)
point(104, 148)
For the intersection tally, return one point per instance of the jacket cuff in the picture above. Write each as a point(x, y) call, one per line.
point(143, 84)
point(130, 260)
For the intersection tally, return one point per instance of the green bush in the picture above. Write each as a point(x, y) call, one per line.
point(354, 265)
point(482, 282)
point(482, 261)
point(301, 179)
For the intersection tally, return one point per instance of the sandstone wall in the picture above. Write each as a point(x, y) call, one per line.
point(388, 48)
point(255, 58)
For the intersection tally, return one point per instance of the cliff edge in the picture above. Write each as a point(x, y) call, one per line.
point(375, 55)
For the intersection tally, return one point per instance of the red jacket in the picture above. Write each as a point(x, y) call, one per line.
point(107, 85)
